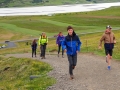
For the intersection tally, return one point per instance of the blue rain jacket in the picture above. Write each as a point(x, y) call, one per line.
point(71, 44)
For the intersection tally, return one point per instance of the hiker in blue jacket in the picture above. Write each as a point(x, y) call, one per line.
point(59, 40)
point(71, 45)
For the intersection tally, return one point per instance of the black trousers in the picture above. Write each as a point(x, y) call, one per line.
point(72, 62)
point(33, 52)
point(43, 49)
point(59, 48)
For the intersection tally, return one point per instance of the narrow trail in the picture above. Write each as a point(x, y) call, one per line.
point(90, 73)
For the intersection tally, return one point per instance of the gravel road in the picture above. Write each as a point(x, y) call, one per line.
point(90, 73)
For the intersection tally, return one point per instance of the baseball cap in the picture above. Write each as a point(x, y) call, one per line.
point(108, 26)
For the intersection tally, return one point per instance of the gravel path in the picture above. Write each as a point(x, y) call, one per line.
point(90, 73)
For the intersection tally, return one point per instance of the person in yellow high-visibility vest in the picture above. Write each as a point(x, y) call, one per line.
point(43, 40)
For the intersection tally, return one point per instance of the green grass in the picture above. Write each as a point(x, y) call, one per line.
point(90, 44)
point(17, 76)
point(14, 28)
point(7, 34)
point(109, 12)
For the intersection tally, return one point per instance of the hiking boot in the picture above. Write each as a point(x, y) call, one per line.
point(71, 77)
point(42, 57)
point(73, 67)
point(109, 67)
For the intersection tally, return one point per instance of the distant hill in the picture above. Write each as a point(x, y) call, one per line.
point(25, 3)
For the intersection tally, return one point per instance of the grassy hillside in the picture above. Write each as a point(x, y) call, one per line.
point(22, 3)
point(15, 74)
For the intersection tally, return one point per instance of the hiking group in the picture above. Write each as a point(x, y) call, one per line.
point(71, 45)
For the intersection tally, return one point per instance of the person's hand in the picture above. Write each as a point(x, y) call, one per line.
point(99, 47)
point(65, 50)
point(114, 41)
point(76, 51)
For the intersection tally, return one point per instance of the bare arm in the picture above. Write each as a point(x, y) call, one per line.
point(100, 44)
point(114, 39)
point(102, 38)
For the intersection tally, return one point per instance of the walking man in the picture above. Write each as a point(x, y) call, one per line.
point(109, 41)
point(71, 45)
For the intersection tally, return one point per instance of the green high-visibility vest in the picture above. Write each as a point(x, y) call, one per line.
point(43, 40)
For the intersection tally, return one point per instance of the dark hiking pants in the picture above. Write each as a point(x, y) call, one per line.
point(33, 52)
point(59, 48)
point(43, 49)
point(72, 62)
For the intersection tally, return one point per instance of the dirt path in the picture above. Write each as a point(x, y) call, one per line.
point(90, 73)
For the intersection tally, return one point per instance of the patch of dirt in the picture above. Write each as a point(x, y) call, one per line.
point(6, 36)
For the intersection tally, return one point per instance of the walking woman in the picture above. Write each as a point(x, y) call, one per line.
point(109, 41)
point(59, 40)
point(71, 45)
point(34, 47)
point(43, 40)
